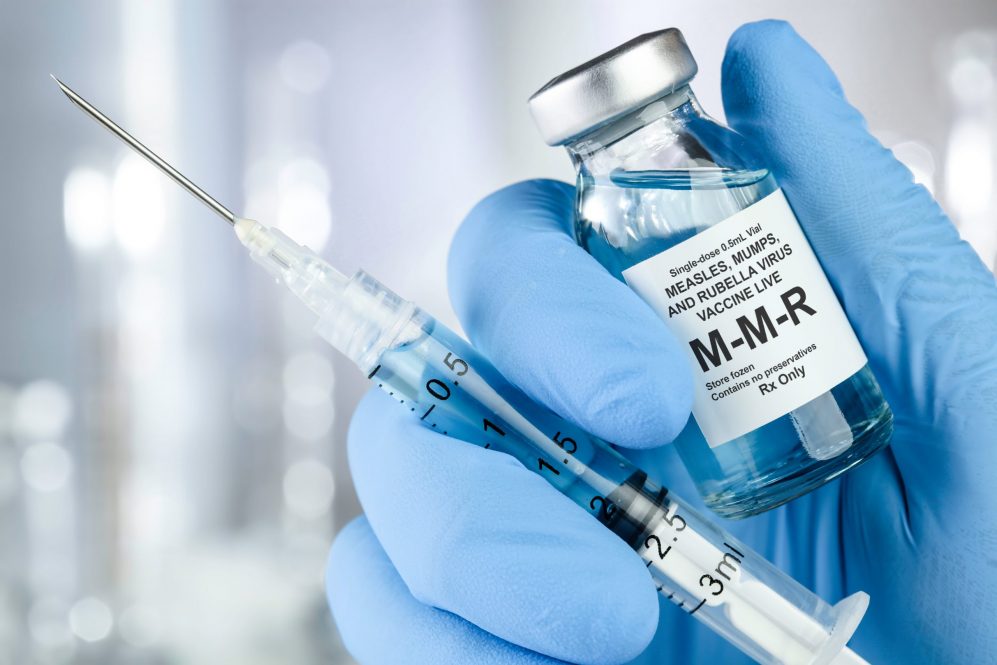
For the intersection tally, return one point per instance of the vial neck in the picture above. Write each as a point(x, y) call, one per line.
point(659, 122)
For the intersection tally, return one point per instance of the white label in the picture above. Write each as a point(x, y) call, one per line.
point(752, 307)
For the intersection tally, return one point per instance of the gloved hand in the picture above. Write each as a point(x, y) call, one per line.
point(465, 556)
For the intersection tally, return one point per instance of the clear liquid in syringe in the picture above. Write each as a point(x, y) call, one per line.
point(448, 393)
point(441, 380)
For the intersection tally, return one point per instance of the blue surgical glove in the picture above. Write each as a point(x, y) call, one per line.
point(465, 556)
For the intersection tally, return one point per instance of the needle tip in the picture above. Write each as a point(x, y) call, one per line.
point(156, 160)
point(62, 86)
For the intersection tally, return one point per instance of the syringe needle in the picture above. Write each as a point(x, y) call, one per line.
point(136, 145)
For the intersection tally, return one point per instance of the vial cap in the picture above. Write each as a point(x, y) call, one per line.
point(631, 75)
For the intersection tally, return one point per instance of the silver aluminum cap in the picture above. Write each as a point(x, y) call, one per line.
point(628, 77)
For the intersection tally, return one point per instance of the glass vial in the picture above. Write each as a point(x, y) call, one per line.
point(683, 210)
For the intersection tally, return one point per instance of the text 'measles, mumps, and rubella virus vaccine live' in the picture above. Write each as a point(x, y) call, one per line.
point(684, 211)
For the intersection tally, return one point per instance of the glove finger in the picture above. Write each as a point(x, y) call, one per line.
point(473, 532)
point(922, 302)
point(559, 326)
point(380, 621)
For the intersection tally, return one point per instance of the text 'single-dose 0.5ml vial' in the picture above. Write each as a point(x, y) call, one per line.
point(681, 209)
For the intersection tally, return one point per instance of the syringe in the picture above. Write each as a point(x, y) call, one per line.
point(441, 380)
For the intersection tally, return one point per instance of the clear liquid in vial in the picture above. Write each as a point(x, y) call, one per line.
point(632, 216)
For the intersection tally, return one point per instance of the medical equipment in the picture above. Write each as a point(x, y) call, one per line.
point(449, 387)
point(682, 209)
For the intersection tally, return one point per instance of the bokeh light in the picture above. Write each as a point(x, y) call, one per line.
point(971, 80)
point(308, 489)
point(144, 303)
point(41, 410)
point(46, 466)
point(86, 203)
point(138, 206)
point(303, 212)
point(308, 377)
point(308, 420)
point(91, 620)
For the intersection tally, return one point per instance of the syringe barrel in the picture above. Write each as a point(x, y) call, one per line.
point(710, 574)
point(456, 391)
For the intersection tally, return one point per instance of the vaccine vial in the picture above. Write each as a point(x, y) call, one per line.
point(684, 211)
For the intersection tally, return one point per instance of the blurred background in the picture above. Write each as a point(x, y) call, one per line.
point(172, 434)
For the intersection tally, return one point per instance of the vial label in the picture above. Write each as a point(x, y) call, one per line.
point(759, 321)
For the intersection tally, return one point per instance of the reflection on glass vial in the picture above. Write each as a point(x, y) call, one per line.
point(788, 456)
point(685, 212)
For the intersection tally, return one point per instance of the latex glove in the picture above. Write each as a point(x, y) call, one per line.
point(475, 555)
